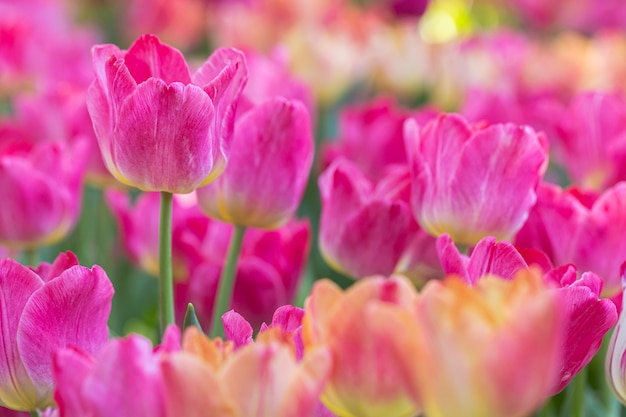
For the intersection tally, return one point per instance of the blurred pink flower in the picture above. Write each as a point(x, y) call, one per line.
point(269, 269)
point(473, 181)
point(584, 15)
point(139, 231)
point(593, 223)
point(24, 64)
point(41, 186)
point(60, 114)
point(269, 76)
point(371, 136)
point(368, 228)
point(159, 127)
point(268, 272)
point(58, 305)
point(590, 140)
point(268, 169)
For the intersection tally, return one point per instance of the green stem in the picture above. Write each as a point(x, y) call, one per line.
point(166, 281)
point(34, 413)
point(227, 281)
point(578, 394)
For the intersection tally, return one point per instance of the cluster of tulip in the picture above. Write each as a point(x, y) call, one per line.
point(478, 257)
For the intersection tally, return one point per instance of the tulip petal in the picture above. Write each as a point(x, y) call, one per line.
point(148, 57)
point(71, 367)
point(158, 148)
point(126, 381)
point(192, 388)
point(494, 258)
point(70, 310)
point(17, 284)
point(223, 77)
point(237, 329)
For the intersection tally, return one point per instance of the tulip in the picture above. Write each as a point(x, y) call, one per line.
point(472, 182)
point(588, 318)
point(41, 186)
point(590, 139)
point(491, 350)
point(160, 128)
point(371, 333)
point(59, 305)
point(594, 224)
point(368, 228)
point(264, 192)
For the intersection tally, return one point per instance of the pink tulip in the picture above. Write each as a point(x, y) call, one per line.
point(160, 128)
point(41, 186)
point(588, 318)
point(372, 335)
point(471, 181)
point(59, 305)
point(594, 225)
point(590, 140)
point(264, 192)
point(371, 136)
point(489, 351)
point(369, 229)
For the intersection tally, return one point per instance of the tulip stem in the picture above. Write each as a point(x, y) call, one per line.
point(166, 281)
point(227, 281)
point(578, 394)
point(32, 256)
point(34, 413)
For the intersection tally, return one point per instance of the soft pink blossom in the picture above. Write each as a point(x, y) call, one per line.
point(368, 228)
point(473, 181)
point(268, 169)
point(41, 186)
point(159, 127)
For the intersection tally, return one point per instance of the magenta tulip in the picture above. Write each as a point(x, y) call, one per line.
point(60, 305)
point(160, 128)
point(268, 168)
point(472, 181)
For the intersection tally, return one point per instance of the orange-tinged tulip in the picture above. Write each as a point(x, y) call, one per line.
point(371, 332)
point(490, 350)
point(262, 379)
